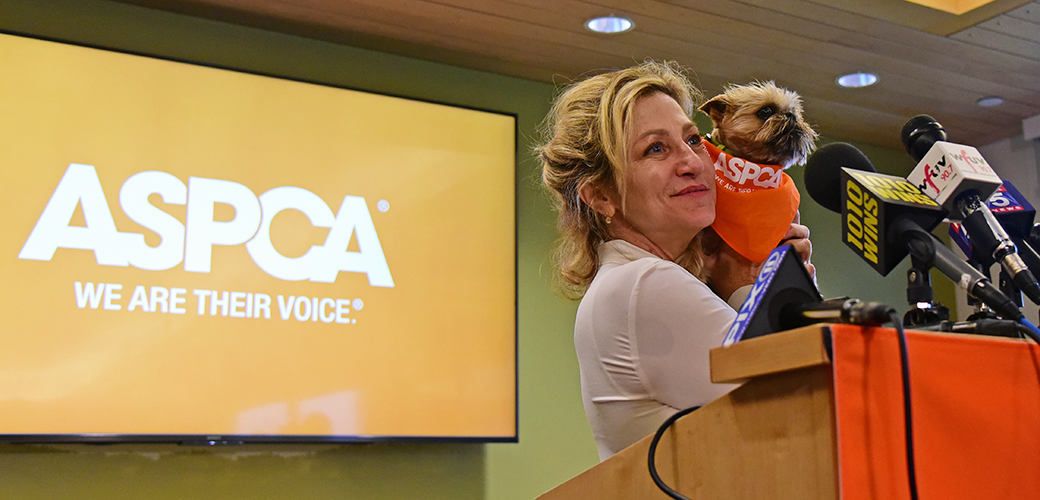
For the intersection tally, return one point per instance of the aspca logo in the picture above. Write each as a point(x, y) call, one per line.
point(191, 243)
point(739, 170)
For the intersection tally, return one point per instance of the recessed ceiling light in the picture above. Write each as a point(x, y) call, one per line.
point(853, 80)
point(609, 24)
point(989, 102)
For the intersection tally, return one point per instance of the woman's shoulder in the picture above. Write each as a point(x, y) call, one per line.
point(626, 265)
point(620, 253)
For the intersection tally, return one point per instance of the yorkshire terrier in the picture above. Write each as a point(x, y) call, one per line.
point(762, 123)
point(758, 124)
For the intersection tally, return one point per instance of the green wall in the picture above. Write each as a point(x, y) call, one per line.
point(555, 441)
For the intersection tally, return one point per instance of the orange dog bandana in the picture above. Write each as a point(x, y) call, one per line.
point(755, 204)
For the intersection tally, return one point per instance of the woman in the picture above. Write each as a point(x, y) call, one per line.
point(634, 189)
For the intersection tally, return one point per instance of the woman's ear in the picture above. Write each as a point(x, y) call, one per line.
point(598, 198)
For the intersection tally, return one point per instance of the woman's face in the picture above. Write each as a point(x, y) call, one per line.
point(670, 180)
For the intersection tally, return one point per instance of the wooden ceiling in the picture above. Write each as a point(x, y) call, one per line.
point(928, 61)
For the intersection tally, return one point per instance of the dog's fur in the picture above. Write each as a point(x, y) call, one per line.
point(761, 123)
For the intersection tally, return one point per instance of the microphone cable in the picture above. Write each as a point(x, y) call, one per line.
point(1030, 330)
point(904, 362)
point(908, 419)
point(651, 455)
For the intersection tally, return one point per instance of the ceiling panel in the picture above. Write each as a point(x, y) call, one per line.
point(928, 61)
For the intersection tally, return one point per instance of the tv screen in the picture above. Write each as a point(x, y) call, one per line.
point(192, 254)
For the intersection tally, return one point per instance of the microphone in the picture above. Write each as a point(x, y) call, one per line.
point(782, 284)
point(823, 172)
point(994, 327)
point(958, 177)
point(837, 310)
point(784, 297)
point(1015, 215)
point(884, 217)
point(842, 179)
point(1012, 210)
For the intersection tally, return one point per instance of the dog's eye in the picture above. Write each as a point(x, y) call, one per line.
point(766, 112)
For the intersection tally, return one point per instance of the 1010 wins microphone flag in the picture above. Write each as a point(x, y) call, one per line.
point(873, 202)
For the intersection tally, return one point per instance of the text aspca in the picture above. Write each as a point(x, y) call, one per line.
point(205, 302)
point(191, 243)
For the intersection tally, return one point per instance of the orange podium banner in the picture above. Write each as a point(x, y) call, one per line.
point(976, 415)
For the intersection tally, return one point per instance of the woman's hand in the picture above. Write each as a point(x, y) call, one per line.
point(798, 237)
point(729, 269)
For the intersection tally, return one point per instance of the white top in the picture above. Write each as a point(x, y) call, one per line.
point(642, 335)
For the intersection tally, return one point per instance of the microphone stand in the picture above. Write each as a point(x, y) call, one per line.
point(982, 311)
point(1008, 286)
point(928, 315)
point(924, 310)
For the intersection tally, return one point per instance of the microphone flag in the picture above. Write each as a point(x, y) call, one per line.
point(782, 283)
point(949, 169)
point(872, 204)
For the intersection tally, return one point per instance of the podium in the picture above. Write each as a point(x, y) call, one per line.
point(820, 416)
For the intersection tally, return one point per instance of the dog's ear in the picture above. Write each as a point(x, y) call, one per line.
point(715, 108)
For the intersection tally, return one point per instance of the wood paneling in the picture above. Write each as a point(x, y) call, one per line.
point(928, 61)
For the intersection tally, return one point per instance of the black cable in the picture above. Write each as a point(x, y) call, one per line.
point(904, 361)
point(908, 420)
point(650, 460)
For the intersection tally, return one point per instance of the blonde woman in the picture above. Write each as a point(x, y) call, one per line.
point(634, 189)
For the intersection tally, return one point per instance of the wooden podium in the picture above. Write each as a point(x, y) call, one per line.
point(820, 416)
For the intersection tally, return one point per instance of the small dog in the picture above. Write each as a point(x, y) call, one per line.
point(759, 130)
point(762, 123)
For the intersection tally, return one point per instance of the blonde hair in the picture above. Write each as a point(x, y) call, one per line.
point(585, 142)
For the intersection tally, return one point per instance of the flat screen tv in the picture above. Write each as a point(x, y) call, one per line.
point(193, 254)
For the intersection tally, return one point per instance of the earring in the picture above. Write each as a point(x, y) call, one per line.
point(608, 220)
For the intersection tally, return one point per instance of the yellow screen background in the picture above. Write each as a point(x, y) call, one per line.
point(432, 356)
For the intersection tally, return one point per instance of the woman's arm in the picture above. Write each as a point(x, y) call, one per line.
point(676, 320)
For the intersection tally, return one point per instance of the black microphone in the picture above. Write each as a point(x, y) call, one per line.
point(823, 173)
point(884, 217)
point(994, 327)
point(836, 310)
point(842, 179)
point(1011, 208)
point(1015, 215)
point(785, 297)
point(919, 134)
point(959, 178)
